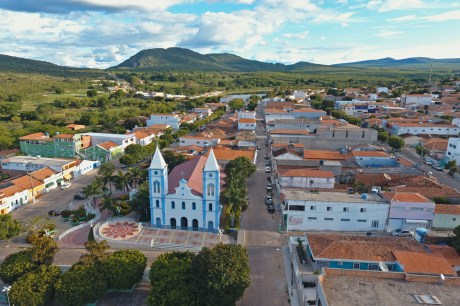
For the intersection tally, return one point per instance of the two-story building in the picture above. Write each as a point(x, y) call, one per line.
point(247, 124)
point(199, 141)
point(334, 211)
point(446, 216)
point(453, 149)
point(306, 178)
point(409, 210)
point(60, 145)
point(122, 140)
point(173, 120)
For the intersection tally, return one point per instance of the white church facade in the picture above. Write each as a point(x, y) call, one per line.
point(188, 197)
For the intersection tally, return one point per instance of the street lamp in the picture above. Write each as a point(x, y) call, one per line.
point(7, 289)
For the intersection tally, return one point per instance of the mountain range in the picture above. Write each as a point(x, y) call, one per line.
point(179, 59)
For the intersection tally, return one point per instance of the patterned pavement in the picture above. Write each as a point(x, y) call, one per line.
point(130, 232)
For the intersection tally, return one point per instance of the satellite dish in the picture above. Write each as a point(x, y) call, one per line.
point(383, 267)
point(443, 277)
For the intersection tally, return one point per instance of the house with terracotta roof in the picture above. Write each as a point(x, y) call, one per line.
point(320, 210)
point(285, 153)
point(247, 124)
point(422, 263)
point(173, 120)
point(446, 216)
point(122, 140)
point(143, 138)
point(409, 211)
point(225, 155)
point(104, 151)
point(306, 178)
point(8, 153)
point(75, 127)
point(199, 141)
point(49, 177)
point(357, 252)
point(188, 198)
point(448, 253)
point(60, 145)
point(12, 197)
point(323, 155)
point(374, 159)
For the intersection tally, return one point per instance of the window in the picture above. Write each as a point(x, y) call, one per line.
point(345, 220)
point(373, 267)
point(311, 218)
point(340, 263)
point(210, 207)
point(356, 266)
point(417, 208)
point(346, 209)
point(375, 223)
point(362, 220)
point(193, 206)
point(157, 203)
point(210, 189)
point(156, 187)
point(454, 219)
point(312, 207)
point(328, 219)
point(329, 208)
point(173, 205)
point(155, 172)
point(183, 205)
point(312, 182)
point(362, 210)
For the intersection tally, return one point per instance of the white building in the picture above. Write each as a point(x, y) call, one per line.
point(123, 140)
point(246, 114)
point(29, 164)
point(453, 149)
point(446, 216)
point(381, 89)
point(199, 141)
point(247, 124)
point(298, 94)
point(189, 197)
point(334, 211)
point(12, 197)
point(86, 166)
point(306, 178)
point(173, 120)
point(412, 101)
point(424, 128)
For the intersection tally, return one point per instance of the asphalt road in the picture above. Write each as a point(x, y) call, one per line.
point(56, 199)
point(262, 240)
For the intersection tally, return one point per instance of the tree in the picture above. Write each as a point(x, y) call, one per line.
point(242, 165)
point(172, 281)
point(91, 93)
point(80, 285)
point(43, 250)
point(236, 104)
point(124, 268)
point(136, 175)
point(97, 252)
point(221, 274)
point(172, 159)
point(396, 142)
point(127, 159)
point(94, 189)
point(451, 166)
point(9, 227)
point(235, 195)
point(36, 287)
point(106, 173)
point(16, 265)
point(383, 136)
point(456, 239)
point(121, 180)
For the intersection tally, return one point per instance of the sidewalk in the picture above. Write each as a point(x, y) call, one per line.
point(294, 300)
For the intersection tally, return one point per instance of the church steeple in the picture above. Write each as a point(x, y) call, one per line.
point(158, 161)
point(211, 163)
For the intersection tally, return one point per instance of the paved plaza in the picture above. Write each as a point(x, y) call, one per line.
point(129, 232)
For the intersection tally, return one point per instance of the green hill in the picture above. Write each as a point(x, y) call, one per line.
point(406, 63)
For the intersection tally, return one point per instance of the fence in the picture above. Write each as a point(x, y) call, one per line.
point(90, 209)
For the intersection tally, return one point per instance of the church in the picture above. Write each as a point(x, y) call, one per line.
point(187, 198)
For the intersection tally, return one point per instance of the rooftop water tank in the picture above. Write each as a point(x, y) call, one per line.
point(364, 196)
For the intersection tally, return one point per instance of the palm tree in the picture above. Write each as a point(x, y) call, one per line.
point(106, 173)
point(94, 189)
point(235, 195)
point(122, 180)
point(107, 203)
point(135, 176)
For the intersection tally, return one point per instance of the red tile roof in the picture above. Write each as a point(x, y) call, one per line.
point(191, 171)
point(307, 173)
point(64, 136)
point(108, 145)
point(227, 155)
point(36, 136)
point(360, 247)
point(43, 174)
point(10, 191)
point(423, 263)
point(326, 155)
point(448, 252)
point(247, 120)
point(447, 209)
point(406, 197)
point(26, 182)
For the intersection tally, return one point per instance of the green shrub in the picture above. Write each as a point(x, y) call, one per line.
point(35, 288)
point(80, 285)
point(124, 268)
point(16, 265)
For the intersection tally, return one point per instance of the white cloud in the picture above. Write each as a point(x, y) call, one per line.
point(300, 35)
point(403, 18)
point(391, 5)
point(388, 33)
point(447, 16)
point(136, 4)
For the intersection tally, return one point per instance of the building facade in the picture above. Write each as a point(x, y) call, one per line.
point(189, 197)
point(172, 120)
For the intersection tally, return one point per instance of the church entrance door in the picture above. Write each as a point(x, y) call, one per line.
point(210, 226)
point(158, 222)
point(173, 223)
point(184, 223)
point(195, 224)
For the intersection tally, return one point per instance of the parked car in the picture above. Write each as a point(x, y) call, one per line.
point(268, 200)
point(258, 147)
point(267, 162)
point(65, 185)
point(427, 161)
point(437, 168)
point(54, 212)
point(267, 169)
point(266, 156)
point(401, 233)
point(271, 208)
point(79, 196)
point(263, 130)
point(269, 186)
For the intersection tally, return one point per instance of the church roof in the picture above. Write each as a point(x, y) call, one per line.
point(211, 163)
point(158, 161)
point(191, 171)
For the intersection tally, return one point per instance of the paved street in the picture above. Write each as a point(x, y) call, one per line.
point(264, 243)
point(56, 199)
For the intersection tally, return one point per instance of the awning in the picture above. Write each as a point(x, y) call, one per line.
point(49, 184)
point(59, 180)
point(67, 176)
point(416, 221)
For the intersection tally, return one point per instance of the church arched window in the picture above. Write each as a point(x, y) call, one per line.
point(211, 190)
point(173, 205)
point(157, 203)
point(183, 205)
point(156, 187)
point(210, 206)
point(193, 206)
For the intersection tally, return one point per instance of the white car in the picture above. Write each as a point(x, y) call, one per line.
point(401, 233)
point(269, 186)
point(65, 186)
point(267, 169)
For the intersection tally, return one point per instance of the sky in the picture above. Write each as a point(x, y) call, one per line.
point(103, 33)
